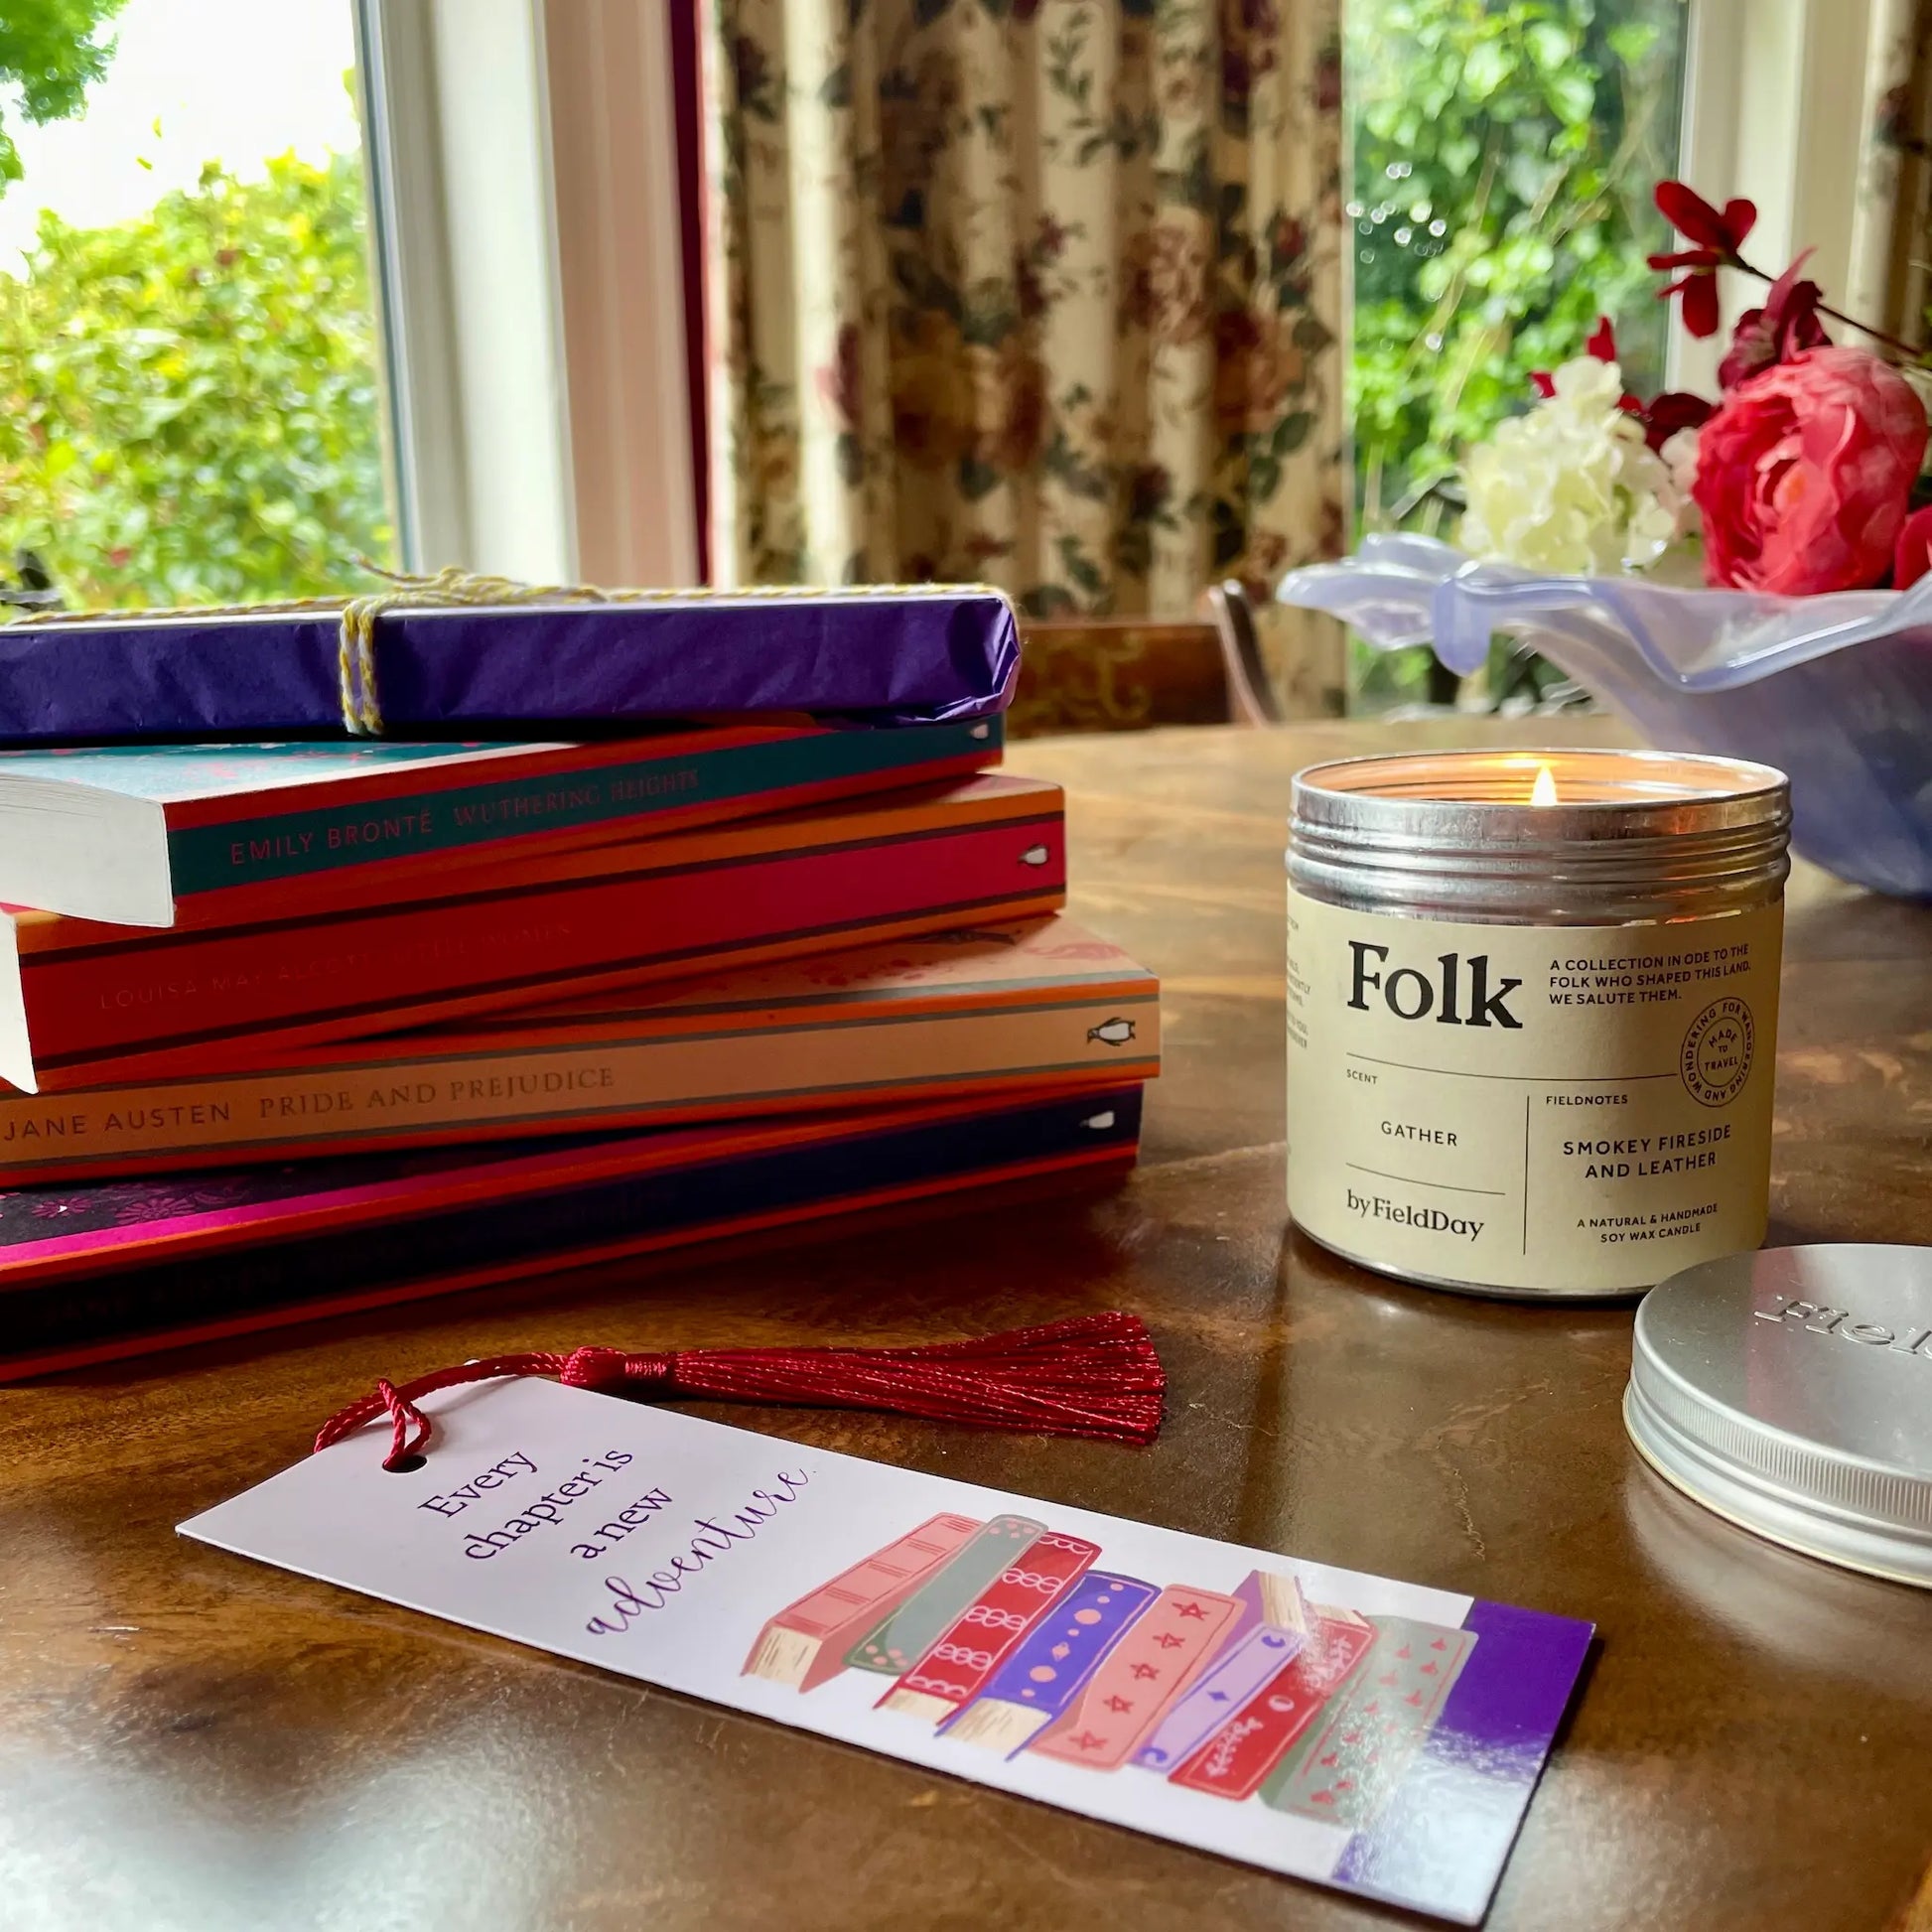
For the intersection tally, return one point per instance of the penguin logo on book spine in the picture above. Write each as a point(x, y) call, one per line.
point(1112, 1032)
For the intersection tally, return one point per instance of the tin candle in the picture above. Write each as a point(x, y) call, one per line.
point(1532, 1014)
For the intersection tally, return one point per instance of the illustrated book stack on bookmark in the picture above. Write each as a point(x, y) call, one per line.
point(1354, 1762)
point(1156, 1661)
point(958, 1663)
point(1235, 1757)
point(904, 1635)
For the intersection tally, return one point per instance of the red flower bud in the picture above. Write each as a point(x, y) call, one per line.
point(1787, 324)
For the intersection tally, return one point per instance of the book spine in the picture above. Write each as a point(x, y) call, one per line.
point(1266, 1597)
point(347, 1100)
point(1045, 1673)
point(958, 1666)
point(807, 1633)
point(1235, 1759)
point(189, 1276)
point(1247, 1669)
point(582, 796)
point(1151, 1665)
point(901, 1638)
point(1352, 1767)
point(185, 1002)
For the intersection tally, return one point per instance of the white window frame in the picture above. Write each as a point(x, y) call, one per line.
point(523, 176)
point(1778, 99)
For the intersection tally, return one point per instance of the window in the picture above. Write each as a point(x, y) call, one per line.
point(310, 279)
point(1501, 202)
point(1503, 159)
point(190, 403)
point(1504, 152)
point(528, 172)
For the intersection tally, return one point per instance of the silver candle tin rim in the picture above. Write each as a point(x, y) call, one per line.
point(1825, 1499)
point(1450, 834)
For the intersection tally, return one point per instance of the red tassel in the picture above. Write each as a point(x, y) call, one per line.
point(1096, 1375)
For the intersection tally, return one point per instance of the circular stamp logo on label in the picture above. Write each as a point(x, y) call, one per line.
point(1717, 1058)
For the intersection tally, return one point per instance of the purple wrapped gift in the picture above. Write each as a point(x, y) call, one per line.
point(902, 656)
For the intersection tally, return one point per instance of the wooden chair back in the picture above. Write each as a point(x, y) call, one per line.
point(1099, 674)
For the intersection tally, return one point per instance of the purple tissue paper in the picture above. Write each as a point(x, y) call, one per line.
point(919, 657)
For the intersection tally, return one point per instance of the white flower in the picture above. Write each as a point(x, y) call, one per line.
point(1570, 489)
point(1680, 455)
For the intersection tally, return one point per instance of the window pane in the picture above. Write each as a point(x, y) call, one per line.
point(1504, 155)
point(189, 408)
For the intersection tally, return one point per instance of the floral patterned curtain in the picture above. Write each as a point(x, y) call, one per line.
point(1892, 231)
point(1045, 293)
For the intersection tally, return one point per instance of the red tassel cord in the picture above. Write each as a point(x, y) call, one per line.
point(1096, 1375)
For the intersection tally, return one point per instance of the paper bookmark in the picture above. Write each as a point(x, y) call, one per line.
point(676, 1551)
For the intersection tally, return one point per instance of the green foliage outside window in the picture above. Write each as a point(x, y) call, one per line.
point(188, 407)
point(1504, 155)
point(50, 53)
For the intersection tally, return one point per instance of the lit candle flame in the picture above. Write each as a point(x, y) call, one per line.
point(1544, 791)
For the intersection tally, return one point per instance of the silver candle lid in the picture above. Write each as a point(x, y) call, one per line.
point(1457, 835)
point(1791, 1391)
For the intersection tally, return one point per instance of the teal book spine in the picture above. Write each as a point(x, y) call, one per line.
point(427, 811)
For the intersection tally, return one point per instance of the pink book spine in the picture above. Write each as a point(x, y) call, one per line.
point(804, 1645)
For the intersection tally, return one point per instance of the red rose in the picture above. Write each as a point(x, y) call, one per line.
point(1803, 475)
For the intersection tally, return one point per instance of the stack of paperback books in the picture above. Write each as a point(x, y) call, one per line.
point(292, 1023)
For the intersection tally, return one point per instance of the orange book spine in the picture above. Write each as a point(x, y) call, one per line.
point(427, 1091)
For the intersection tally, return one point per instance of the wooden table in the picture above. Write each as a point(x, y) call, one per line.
point(188, 1740)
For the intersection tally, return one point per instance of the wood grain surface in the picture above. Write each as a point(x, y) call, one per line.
point(188, 1741)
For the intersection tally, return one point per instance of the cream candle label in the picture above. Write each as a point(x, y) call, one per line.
point(1034, 1648)
point(1535, 1108)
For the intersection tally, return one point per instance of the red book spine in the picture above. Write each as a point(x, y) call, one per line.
point(960, 1665)
point(198, 999)
point(1236, 1760)
point(120, 1329)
